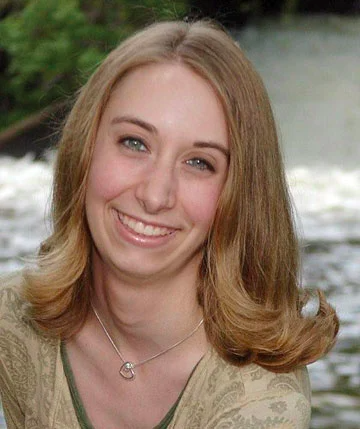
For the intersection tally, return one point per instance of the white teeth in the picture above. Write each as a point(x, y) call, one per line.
point(141, 228)
point(148, 230)
point(132, 224)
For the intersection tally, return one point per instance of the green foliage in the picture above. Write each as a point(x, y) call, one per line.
point(54, 45)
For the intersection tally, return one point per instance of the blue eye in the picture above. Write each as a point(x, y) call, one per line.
point(200, 164)
point(134, 144)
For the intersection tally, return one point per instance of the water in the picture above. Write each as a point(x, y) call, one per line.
point(311, 69)
point(312, 77)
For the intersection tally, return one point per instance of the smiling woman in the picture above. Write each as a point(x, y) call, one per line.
point(168, 291)
point(154, 170)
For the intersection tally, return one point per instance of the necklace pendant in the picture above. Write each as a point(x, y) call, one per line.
point(127, 371)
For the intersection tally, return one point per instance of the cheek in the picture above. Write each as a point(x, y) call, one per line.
point(201, 204)
point(107, 179)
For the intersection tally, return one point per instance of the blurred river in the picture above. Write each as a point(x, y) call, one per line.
point(311, 69)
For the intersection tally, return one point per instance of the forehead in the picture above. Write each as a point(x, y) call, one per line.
point(169, 94)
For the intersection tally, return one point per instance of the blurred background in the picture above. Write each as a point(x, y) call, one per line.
point(307, 52)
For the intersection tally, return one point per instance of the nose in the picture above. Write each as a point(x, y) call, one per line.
point(156, 191)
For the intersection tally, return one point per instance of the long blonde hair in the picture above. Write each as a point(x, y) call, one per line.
point(248, 280)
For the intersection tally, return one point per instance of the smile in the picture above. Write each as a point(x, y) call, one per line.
point(142, 228)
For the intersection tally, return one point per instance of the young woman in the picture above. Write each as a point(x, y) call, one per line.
point(167, 295)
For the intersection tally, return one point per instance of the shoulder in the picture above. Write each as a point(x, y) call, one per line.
point(17, 336)
point(26, 355)
point(12, 308)
point(14, 323)
point(221, 395)
point(17, 333)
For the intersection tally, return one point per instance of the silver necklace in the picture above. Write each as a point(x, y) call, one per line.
point(127, 370)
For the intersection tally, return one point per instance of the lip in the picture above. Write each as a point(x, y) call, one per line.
point(135, 238)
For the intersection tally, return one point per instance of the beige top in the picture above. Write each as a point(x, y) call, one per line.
point(35, 392)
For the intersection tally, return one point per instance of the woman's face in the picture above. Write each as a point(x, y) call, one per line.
point(159, 164)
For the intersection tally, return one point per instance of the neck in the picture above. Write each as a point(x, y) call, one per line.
point(146, 316)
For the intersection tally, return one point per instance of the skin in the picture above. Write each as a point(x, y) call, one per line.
point(161, 159)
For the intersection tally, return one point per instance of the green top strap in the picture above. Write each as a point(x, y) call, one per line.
point(83, 419)
point(81, 414)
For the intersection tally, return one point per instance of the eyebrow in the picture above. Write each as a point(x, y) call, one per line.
point(210, 144)
point(137, 121)
point(152, 129)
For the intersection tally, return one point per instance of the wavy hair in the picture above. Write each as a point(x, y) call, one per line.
point(249, 276)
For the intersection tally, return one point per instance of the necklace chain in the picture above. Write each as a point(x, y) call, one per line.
point(127, 368)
